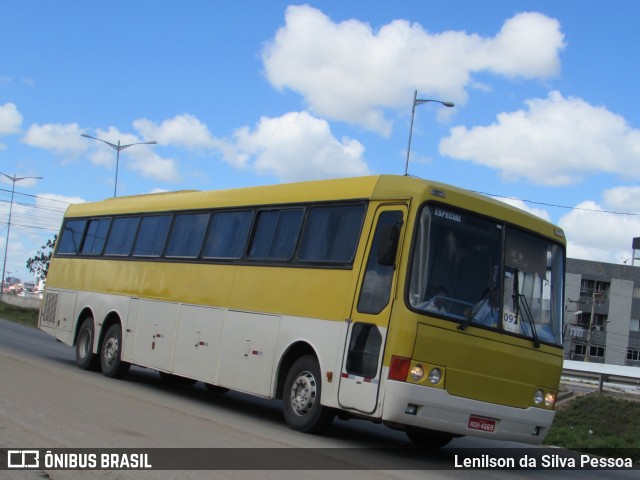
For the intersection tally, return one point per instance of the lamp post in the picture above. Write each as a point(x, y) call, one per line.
point(419, 101)
point(13, 179)
point(118, 148)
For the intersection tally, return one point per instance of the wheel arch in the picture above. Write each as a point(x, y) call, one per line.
point(84, 314)
point(112, 318)
point(295, 351)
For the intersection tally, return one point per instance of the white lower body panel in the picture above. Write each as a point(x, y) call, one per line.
point(438, 410)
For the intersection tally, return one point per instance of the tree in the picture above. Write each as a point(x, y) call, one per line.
point(39, 265)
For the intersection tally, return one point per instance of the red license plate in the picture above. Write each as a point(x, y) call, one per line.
point(484, 424)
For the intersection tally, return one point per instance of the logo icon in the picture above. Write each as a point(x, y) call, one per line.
point(23, 458)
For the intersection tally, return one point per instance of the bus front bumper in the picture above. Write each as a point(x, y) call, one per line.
point(416, 406)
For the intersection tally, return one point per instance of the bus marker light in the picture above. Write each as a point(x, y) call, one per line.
point(399, 368)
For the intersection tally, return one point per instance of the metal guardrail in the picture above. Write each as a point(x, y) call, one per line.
point(620, 375)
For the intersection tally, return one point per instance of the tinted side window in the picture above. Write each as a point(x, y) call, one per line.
point(152, 236)
point(123, 232)
point(96, 236)
point(364, 350)
point(187, 235)
point(228, 234)
point(378, 278)
point(331, 234)
point(71, 236)
point(276, 234)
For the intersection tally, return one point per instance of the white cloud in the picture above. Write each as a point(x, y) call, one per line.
point(295, 146)
point(10, 119)
point(595, 235)
point(61, 139)
point(182, 130)
point(349, 72)
point(557, 141)
point(151, 165)
point(624, 199)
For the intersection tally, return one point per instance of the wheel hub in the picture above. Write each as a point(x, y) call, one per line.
point(110, 349)
point(303, 393)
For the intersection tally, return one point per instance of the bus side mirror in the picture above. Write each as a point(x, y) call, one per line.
point(388, 244)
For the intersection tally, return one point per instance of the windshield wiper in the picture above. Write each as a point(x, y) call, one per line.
point(476, 308)
point(521, 304)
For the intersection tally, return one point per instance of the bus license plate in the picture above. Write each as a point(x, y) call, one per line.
point(484, 424)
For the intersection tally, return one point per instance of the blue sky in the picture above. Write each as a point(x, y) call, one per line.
point(249, 93)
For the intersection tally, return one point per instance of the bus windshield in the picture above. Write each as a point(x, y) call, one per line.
point(482, 272)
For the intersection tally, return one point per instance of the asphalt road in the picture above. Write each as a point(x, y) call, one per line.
point(46, 402)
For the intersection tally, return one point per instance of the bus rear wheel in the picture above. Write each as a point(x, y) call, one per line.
point(301, 397)
point(111, 354)
point(85, 358)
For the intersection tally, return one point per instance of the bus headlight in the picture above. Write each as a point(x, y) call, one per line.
point(550, 399)
point(417, 372)
point(435, 374)
point(538, 397)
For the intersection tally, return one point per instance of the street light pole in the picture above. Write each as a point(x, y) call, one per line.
point(13, 179)
point(118, 148)
point(419, 101)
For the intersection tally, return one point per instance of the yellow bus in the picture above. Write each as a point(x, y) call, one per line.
point(429, 308)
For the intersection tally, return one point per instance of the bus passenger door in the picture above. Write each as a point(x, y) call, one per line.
point(364, 347)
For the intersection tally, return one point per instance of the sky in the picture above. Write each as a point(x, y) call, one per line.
point(251, 93)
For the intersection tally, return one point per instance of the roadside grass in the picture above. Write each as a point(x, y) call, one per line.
point(604, 425)
point(596, 424)
point(24, 316)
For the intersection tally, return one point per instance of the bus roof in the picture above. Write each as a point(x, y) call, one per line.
point(371, 187)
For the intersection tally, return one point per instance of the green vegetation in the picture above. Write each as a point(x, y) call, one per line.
point(25, 316)
point(598, 424)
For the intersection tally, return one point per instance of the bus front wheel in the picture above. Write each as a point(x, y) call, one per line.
point(301, 397)
point(85, 358)
point(111, 354)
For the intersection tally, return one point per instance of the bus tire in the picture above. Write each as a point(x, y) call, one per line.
point(429, 438)
point(301, 397)
point(85, 358)
point(111, 353)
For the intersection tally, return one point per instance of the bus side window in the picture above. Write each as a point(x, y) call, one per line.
point(276, 234)
point(228, 234)
point(331, 234)
point(152, 235)
point(378, 278)
point(71, 237)
point(123, 232)
point(96, 236)
point(187, 235)
point(364, 350)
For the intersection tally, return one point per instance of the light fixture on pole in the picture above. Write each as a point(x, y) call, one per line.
point(118, 148)
point(13, 179)
point(419, 101)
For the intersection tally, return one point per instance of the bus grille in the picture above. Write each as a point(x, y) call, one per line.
point(50, 308)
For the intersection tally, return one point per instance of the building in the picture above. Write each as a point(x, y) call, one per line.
point(602, 313)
